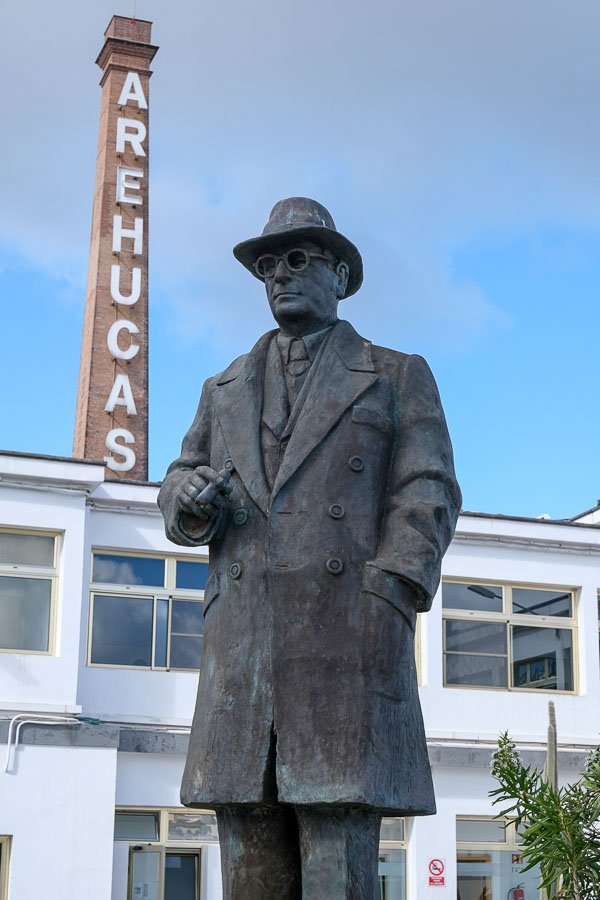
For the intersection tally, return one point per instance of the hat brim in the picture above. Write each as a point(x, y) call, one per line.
point(247, 252)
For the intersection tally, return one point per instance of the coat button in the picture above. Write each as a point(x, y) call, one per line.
point(334, 565)
point(235, 570)
point(336, 511)
point(228, 464)
point(240, 516)
point(356, 463)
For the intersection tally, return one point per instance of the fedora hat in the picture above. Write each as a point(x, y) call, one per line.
point(297, 218)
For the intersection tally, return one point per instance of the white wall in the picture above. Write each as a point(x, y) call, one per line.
point(149, 779)
point(460, 713)
point(58, 805)
point(34, 681)
point(145, 779)
point(126, 694)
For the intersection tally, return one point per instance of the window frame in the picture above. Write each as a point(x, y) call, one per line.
point(397, 845)
point(162, 852)
point(5, 848)
point(163, 813)
point(41, 573)
point(167, 592)
point(510, 845)
point(510, 619)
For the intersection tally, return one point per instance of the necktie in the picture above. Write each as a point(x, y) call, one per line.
point(298, 359)
point(297, 366)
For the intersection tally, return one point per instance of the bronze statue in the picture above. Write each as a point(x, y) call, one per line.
point(320, 472)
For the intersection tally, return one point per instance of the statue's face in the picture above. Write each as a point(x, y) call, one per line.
point(305, 300)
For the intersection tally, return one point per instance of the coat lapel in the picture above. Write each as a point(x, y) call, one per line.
point(345, 371)
point(238, 404)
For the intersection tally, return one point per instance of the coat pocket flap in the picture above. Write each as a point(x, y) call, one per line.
point(393, 590)
point(367, 415)
point(212, 590)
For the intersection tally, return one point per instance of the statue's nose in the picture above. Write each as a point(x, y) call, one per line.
point(281, 272)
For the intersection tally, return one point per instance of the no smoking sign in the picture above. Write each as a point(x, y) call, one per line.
point(436, 872)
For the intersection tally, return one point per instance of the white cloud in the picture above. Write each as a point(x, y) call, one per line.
point(421, 127)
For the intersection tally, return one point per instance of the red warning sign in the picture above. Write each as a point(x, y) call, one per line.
point(436, 867)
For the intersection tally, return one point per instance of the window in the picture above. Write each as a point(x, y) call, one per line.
point(28, 575)
point(489, 861)
point(508, 636)
point(168, 865)
point(4, 854)
point(392, 859)
point(146, 611)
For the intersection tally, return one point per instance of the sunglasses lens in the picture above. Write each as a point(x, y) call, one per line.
point(265, 265)
point(296, 260)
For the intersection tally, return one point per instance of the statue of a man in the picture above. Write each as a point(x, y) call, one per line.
point(319, 471)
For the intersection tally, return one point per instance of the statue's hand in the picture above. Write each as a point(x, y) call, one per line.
point(204, 492)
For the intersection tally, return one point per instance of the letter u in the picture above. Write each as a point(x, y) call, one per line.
point(115, 285)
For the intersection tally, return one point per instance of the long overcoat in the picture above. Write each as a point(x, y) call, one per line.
point(314, 585)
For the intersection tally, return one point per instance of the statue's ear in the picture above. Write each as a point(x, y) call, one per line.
point(343, 273)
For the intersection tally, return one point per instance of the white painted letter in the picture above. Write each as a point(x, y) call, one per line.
point(115, 399)
point(132, 90)
point(124, 184)
point(134, 139)
point(112, 339)
point(136, 233)
point(114, 447)
point(115, 286)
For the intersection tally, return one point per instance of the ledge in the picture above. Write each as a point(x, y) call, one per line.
point(82, 735)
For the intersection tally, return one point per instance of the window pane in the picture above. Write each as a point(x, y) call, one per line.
point(475, 637)
point(160, 631)
point(191, 575)
point(482, 597)
point(24, 613)
point(187, 617)
point(145, 875)
point(470, 831)
point(533, 602)
point(185, 652)
point(192, 827)
point(480, 671)
point(542, 658)
point(181, 876)
point(392, 874)
point(122, 631)
point(391, 829)
point(477, 871)
point(26, 549)
point(136, 827)
point(110, 569)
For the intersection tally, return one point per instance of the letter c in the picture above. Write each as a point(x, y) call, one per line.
point(112, 339)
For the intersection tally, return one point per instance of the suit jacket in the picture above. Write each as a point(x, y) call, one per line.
point(314, 585)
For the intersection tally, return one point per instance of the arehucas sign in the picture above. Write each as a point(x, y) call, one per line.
point(112, 405)
point(129, 182)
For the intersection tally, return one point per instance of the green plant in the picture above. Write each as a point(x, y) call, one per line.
point(559, 827)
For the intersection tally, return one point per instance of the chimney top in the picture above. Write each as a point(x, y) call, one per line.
point(137, 30)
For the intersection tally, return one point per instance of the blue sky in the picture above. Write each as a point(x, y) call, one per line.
point(456, 144)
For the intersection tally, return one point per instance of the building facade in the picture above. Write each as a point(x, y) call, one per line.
point(100, 639)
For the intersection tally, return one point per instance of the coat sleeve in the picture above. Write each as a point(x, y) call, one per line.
point(423, 498)
point(182, 527)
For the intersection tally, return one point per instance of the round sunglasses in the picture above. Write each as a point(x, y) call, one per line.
point(295, 260)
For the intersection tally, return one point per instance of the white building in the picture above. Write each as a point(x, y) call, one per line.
point(100, 632)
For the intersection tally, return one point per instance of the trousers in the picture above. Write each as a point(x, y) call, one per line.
point(285, 852)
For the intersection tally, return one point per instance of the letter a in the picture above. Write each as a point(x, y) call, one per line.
point(115, 399)
point(132, 90)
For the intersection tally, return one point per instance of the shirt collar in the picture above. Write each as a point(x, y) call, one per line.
point(312, 342)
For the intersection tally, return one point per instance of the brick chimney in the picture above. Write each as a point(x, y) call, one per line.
point(112, 403)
